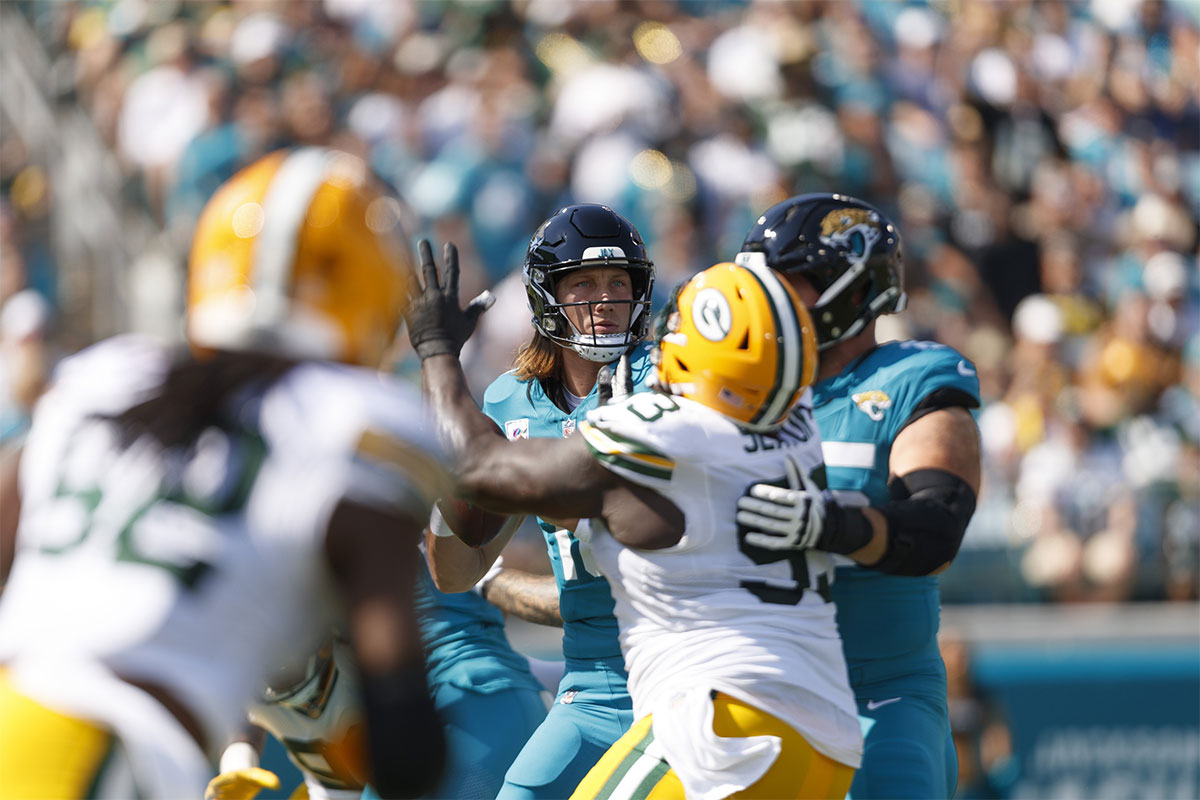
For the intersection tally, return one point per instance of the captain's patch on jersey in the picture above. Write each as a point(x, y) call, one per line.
point(517, 429)
point(620, 453)
point(872, 402)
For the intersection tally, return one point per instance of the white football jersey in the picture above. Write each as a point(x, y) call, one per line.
point(714, 610)
point(201, 571)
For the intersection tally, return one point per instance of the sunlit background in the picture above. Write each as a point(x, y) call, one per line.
point(1041, 158)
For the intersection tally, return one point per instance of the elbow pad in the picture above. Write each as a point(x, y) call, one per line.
point(405, 738)
point(926, 518)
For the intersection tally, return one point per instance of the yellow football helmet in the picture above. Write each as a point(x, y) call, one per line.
point(300, 254)
point(738, 340)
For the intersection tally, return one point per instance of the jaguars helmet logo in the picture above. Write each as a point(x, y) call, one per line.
point(854, 230)
point(872, 402)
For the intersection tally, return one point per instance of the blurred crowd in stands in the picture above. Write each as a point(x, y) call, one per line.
point(1041, 158)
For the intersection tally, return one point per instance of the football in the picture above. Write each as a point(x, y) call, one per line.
point(470, 523)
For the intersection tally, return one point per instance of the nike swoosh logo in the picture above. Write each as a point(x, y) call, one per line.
point(964, 370)
point(874, 704)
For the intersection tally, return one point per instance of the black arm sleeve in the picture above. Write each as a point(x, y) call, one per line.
point(407, 745)
point(927, 517)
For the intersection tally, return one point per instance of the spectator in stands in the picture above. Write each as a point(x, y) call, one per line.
point(1046, 148)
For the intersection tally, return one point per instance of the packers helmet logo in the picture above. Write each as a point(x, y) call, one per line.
point(712, 315)
point(855, 230)
point(873, 403)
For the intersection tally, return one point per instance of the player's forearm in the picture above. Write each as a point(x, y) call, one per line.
point(461, 426)
point(474, 442)
point(533, 598)
point(874, 549)
point(456, 566)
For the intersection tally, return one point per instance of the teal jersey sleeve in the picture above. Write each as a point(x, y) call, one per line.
point(522, 410)
point(888, 623)
point(861, 411)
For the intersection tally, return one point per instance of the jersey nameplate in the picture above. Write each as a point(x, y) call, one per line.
point(795, 431)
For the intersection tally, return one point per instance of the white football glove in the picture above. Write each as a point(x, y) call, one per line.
point(480, 588)
point(780, 518)
point(616, 382)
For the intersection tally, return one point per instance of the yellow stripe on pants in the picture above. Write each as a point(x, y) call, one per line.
point(799, 771)
point(45, 754)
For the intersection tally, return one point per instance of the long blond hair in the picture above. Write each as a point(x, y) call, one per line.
point(538, 359)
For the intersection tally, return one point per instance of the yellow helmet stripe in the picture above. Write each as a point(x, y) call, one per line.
point(788, 367)
point(285, 207)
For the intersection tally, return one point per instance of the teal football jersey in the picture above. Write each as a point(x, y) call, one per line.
point(888, 623)
point(522, 410)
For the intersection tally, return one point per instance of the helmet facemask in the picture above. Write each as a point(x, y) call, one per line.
point(846, 249)
point(579, 237)
point(552, 321)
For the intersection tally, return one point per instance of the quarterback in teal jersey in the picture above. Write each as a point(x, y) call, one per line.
point(589, 282)
point(902, 461)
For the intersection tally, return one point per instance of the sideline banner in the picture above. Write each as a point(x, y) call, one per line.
point(1098, 721)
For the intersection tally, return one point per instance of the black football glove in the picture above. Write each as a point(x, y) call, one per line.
point(436, 324)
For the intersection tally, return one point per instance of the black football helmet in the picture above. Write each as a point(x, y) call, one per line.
point(586, 235)
point(846, 248)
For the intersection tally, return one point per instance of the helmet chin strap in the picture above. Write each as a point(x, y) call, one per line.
point(602, 353)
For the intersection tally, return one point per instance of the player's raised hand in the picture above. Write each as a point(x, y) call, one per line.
point(437, 325)
point(783, 518)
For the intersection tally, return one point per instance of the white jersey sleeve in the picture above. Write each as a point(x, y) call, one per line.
point(386, 453)
point(646, 437)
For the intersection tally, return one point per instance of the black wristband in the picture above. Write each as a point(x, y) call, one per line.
point(846, 529)
point(436, 346)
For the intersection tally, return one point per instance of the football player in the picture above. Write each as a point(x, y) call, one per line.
point(735, 666)
point(483, 690)
point(192, 520)
point(588, 280)
point(898, 436)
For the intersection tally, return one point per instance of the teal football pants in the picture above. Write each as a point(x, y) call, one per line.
point(484, 733)
point(908, 751)
point(592, 710)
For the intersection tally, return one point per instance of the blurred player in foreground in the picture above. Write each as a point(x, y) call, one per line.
point(898, 436)
point(191, 522)
point(735, 666)
point(488, 700)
